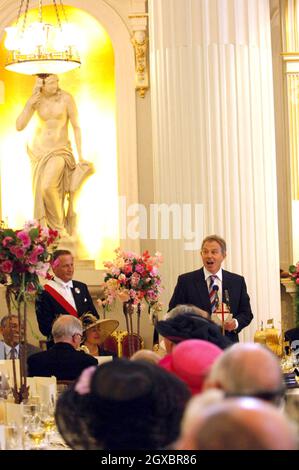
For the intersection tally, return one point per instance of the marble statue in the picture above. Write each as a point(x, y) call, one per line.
point(50, 152)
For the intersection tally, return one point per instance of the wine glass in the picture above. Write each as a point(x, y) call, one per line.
point(36, 432)
point(47, 417)
point(30, 410)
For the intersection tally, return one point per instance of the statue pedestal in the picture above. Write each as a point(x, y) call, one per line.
point(85, 272)
point(70, 243)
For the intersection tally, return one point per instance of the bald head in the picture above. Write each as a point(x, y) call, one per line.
point(146, 355)
point(244, 424)
point(192, 417)
point(247, 369)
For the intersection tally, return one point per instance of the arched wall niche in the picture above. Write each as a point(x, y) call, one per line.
point(119, 33)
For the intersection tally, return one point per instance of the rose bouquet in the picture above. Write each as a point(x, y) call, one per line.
point(132, 278)
point(25, 254)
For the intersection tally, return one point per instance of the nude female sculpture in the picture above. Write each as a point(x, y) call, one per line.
point(50, 151)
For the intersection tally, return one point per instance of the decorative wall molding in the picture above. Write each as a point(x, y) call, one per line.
point(139, 25)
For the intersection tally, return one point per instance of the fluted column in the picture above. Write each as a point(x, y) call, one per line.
point(213, 135)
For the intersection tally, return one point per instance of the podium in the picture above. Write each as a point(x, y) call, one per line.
point(221, 315)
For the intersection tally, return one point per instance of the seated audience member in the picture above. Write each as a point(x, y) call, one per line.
point(248, 369)
point(62, 360)
point(192, 416)
point(241, 424)
point(177, 311)
point(121, 405)
point(190, 361)
point(95, 332)
point(146, 355)
point(186, 308)
point(190, 326)
point(292, 336)
point(10, 330)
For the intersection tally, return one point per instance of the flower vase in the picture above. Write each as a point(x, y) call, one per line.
point(133, 338)
point(15, 296)
point(297, 306)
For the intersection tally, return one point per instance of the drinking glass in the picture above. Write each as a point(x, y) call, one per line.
point(13, 437)
point(36, 433)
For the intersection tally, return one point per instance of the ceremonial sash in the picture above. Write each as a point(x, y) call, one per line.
point(61, 300)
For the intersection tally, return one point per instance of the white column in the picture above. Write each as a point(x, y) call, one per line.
point(213, 135)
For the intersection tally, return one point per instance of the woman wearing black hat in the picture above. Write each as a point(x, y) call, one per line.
point(190, 326)
point(122, 405)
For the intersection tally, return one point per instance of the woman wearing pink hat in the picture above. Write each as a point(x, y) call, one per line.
point(190, 361)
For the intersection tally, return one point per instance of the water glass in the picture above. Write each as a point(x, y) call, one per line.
point(13, 437)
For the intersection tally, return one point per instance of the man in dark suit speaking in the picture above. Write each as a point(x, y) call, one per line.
point(62, 295)
point(210, 284)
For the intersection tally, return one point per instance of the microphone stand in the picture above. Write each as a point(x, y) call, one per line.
point(216, 288)
point(222, 318)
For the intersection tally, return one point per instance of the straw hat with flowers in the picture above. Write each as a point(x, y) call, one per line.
point(105, 326)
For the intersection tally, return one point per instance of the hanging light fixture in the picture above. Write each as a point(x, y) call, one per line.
point(40, 48)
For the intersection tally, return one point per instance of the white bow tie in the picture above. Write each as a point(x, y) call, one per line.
point(68, 284)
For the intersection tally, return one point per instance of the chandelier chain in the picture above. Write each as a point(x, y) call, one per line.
point(40, 11)
point(25, 18)
point(63, 11)
point(57, 15)
point(19, 12)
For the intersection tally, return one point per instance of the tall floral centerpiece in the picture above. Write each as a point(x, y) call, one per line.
point(135, 281)
point(294, 272)
point(24, 255)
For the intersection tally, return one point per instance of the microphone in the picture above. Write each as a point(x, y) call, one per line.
point(216, 289)
point(226, 299)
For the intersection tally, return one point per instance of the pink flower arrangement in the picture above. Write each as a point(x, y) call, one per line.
point(294, 272)
point(25, 255)
point(132, 278)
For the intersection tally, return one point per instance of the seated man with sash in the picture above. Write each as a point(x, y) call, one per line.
point(62, 295)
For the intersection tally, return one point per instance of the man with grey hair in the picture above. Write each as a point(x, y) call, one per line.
point(185, 308)
point(248, 369)
point(207, 287)
point(11, 346)
point(62, 360)
point(240, 424)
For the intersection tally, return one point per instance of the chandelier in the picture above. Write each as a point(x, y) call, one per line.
point(40, 48)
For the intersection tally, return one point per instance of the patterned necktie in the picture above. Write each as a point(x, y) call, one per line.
point(13, 353)
point(213, 293)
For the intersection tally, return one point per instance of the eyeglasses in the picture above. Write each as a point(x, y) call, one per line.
point(78, 334)
point(274, 396)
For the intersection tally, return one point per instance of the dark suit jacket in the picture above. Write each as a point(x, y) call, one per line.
point(62, 360)
point(30, 349)
point(192, 289)
point(47, 308)
point(292, 335)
